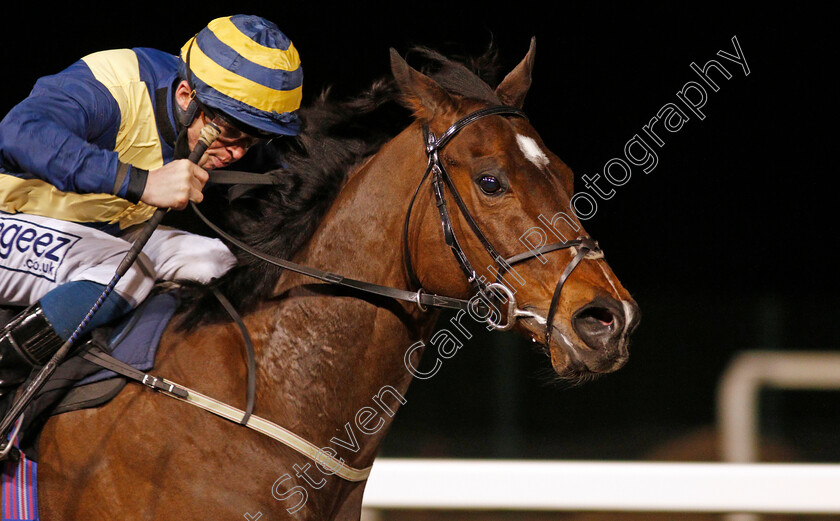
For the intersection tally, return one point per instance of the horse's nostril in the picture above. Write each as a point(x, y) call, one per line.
point(596, 325)
point(600, 323)
point(597, 314)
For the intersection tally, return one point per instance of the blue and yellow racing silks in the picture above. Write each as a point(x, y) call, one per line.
point(80, 146)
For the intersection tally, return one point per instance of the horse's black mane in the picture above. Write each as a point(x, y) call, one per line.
point(337, 135)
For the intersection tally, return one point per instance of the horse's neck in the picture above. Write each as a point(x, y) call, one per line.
point(362, 233)
point(329, 356)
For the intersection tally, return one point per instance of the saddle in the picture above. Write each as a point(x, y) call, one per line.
point(101, 367)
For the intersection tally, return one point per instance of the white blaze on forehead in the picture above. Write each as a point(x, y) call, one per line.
point(532, 151)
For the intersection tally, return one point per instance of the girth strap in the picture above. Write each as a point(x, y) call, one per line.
point(245, 418)
point(261, 425)
point(99, 357)
point(272, 430)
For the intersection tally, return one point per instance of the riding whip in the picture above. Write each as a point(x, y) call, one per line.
point(208, 135)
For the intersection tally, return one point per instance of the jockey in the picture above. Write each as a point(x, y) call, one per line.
point(95, 149)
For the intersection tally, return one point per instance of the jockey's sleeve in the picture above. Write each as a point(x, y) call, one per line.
point(64, 133)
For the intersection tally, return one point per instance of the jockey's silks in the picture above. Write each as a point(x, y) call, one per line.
point(91, 132)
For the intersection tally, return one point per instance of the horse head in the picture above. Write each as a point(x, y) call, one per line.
point(497, 189)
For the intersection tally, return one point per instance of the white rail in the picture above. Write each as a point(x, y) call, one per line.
point(740, 385)
point(738, 394)
point(737, 486)
point(603, 486)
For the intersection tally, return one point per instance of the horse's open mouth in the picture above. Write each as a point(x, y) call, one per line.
point(583, 365)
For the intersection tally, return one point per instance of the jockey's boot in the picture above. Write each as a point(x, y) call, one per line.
point(27, 342)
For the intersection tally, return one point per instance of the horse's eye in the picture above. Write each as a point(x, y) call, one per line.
point(489, 184)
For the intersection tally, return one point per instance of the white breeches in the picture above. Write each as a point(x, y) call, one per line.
point(38, 254)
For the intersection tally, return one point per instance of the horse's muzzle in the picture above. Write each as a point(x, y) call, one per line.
point(604, 325)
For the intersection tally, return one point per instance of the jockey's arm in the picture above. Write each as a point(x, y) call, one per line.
point(64, 133)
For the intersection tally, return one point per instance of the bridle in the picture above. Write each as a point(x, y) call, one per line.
point(586, 246)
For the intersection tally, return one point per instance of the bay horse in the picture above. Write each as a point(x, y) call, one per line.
point(323, 354)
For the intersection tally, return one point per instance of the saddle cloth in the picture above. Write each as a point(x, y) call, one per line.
point(19, 500)
point(77, 384)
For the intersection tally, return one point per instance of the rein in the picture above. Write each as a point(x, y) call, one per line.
point(586, 248)
point(421, 298)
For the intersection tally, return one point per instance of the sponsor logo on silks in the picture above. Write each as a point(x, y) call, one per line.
point(34, 249)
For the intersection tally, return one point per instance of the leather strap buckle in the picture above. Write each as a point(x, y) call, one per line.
point(150, 381)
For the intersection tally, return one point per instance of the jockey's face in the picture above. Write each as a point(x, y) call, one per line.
point(231, 144)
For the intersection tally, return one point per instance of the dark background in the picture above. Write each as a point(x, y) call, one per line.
point(729, 244)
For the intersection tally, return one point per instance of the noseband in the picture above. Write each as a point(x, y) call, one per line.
point(586, 246)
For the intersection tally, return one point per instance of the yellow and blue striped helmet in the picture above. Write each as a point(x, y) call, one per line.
point(246, 68)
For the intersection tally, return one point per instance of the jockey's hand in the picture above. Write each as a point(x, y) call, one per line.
point(175, 184)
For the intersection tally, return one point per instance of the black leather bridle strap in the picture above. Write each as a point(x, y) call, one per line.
point(412, 275)
point(440, 179)
point(585, 245)
point(433, 149)
point(444, 139)
point(471, 118)
point(249, 352)
point(435, 166)
point(448, 233)
point(530, 254)
point(419, 297)
point(235, 177)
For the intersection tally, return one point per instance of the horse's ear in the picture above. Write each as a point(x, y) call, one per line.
point(515, 86)
point(420, 93)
